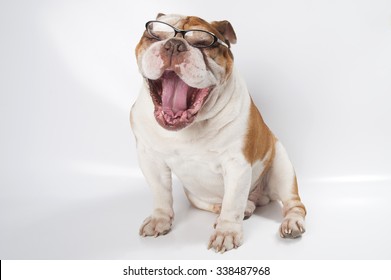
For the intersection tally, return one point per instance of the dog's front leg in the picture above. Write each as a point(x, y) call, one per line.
point(228, 231)
point(158, 176)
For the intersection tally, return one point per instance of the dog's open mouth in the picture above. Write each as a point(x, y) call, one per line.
point(176, 103)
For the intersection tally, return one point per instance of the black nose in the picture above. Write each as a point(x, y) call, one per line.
point(175, 46)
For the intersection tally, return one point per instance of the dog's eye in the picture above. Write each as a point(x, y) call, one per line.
point(149, 37)
point(160, 31)
point(198, 38)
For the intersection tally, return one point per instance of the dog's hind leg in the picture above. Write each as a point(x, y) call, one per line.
point(282, 185)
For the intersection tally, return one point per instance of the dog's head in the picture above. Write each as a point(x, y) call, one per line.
point(183, 60)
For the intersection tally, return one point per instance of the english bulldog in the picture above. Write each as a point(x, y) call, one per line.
point(195, 118)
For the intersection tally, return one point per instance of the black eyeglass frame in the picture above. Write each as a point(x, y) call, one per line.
point(183, 32)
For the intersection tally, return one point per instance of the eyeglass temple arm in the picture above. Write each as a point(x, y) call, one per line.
point(222, 43)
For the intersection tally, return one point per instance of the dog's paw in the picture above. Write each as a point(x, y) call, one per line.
point(156, 225)
point(250, 208)
point(292, 227)
point(227, 236)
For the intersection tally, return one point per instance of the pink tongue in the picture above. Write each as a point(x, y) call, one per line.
point(174, 96)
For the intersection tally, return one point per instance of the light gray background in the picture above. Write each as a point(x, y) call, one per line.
point(70, 186)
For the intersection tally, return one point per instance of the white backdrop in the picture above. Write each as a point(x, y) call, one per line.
point(320, 72)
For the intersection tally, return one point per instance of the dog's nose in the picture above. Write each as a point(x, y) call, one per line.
point(175, 46)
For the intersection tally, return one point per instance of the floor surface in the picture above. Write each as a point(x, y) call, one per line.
point(345, 221)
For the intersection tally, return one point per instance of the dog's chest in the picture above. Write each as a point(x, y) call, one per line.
point(198, 168)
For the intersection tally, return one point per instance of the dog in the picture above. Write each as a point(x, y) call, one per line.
point(195, 118)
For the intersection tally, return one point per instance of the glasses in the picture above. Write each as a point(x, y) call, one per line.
point(195, 37)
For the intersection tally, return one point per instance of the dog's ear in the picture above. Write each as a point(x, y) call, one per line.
point(225, 28)
point(160, 15)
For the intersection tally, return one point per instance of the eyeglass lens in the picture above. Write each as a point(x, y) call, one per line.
point(197, 38)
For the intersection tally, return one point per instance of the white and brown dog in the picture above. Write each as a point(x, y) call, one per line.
point(195, 118)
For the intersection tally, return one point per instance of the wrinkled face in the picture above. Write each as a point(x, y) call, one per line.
point(180, 71)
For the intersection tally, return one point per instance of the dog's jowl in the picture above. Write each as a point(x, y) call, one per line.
point(195, 118)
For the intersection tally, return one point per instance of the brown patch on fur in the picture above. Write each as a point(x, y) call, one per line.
point(295, 189)
point(294, 205)
point(192, 22)
point(143, 44)
point(259, 141)
point(225, 28)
